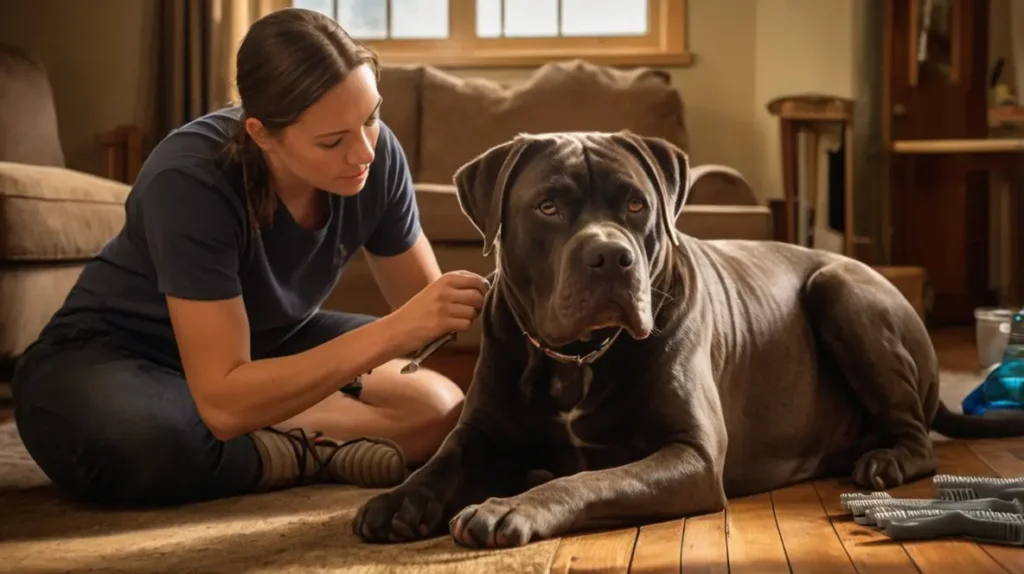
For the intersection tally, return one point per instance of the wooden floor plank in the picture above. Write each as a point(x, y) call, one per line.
point(658, 548)
point(754, 543)
point(871, 551)
point(595, 553)
point(1003, 457)
point(705, 545)
point(811, 543)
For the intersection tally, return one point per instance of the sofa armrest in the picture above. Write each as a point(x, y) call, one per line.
point(52, 213)
point(714, 184)
point(124, 151)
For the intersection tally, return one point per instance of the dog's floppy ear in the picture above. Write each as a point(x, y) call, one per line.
point(669, 169)
point(482, 183)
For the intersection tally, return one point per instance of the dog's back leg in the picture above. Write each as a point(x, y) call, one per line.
point(883, 348)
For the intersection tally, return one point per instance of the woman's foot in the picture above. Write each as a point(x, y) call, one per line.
point(296, 458)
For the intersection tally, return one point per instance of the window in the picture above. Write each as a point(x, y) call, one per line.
point(488, 33)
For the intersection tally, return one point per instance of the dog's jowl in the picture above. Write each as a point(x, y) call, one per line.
point(648, 375)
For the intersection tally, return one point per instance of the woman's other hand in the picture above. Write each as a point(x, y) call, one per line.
point(448, 304)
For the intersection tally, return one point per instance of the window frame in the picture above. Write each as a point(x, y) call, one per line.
point(664, 44)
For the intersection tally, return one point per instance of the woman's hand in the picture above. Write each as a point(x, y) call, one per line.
point(448, 304)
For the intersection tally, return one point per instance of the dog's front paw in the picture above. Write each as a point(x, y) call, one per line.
point(403, 514)
point(501, 523)
point(878, 469)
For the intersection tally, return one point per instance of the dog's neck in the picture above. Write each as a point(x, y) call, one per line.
point(578, 354)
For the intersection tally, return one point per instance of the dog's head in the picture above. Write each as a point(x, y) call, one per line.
point(583, 221)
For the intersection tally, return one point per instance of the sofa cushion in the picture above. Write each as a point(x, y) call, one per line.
point(463, 117)
point(726, 222)
point(28, 118)
point(54, 213)
point(400, 88)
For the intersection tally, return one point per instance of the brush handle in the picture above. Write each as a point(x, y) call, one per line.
point(426, 351)
point(880, 515)
point(980, 525)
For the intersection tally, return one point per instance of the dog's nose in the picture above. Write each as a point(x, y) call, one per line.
point(608, 256)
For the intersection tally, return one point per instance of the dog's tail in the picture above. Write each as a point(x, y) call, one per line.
point(957, 425)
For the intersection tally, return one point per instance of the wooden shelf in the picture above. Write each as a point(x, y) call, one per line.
point(959, 146)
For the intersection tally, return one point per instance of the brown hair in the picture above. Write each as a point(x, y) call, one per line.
point(286, 62)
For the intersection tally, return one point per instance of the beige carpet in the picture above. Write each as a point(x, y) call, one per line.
point(299, 531)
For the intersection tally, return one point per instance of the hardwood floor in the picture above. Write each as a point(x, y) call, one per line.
point(801, 528)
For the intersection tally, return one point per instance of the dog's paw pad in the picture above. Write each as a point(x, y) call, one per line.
point(879, 470)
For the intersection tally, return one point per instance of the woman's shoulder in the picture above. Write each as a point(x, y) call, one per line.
point(187, 176)
point(190, 162)
point(199, 142)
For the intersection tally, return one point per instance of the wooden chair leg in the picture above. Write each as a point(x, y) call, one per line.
point(787, 131)
point(850, 233)
point(810, 200)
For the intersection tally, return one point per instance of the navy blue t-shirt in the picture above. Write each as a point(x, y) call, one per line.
point(187, 235)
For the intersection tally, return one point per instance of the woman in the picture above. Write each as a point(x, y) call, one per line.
point(191, 360)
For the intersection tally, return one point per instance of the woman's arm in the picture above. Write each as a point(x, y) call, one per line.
point(406, 274)
point(235, 395)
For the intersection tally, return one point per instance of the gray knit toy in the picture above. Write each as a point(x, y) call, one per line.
point(981, 508)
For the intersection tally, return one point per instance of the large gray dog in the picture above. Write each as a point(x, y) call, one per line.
point(648, 375)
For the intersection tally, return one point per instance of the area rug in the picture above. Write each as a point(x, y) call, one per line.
point(298, 531)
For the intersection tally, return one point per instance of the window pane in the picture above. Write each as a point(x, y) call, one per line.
point(604, 17)
point(364, 19)
point(325, 7)
point(531, 18)
point(488, 18)
point(422, 19)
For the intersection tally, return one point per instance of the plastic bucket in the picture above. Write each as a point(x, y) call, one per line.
point(992, 334)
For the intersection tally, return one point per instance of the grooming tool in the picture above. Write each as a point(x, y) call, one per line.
point(847, 497)
point(414, 364)
point(980, 525)
point(878, 516)
point(952, 487)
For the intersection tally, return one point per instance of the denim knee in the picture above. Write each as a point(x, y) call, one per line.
point(121, 459)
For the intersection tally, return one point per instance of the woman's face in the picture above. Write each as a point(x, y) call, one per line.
point(332, 144)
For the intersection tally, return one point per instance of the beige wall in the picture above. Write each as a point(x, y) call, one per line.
point(746, 52)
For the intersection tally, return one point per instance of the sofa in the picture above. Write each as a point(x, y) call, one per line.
point(53, 219)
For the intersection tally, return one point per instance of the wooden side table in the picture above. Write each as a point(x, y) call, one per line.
point(810, 114)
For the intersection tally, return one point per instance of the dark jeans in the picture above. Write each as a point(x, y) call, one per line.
point(110, 426)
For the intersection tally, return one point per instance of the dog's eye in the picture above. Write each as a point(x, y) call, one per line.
point(635, 205)
point(547, 207)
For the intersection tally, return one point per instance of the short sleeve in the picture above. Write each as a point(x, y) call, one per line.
point(194, 235)
point(399, 225)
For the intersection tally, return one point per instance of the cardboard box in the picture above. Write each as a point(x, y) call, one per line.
point(912, 282)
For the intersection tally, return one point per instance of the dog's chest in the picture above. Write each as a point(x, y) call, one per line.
point(577, 423)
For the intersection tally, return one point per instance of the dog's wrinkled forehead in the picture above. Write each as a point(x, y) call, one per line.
point(488, 183)
point(588, 162)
